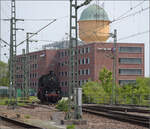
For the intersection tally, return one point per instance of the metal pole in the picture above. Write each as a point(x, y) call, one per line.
point(12, 52)
point(27, 62)
point(24, 74)
point(114, 67)
point(0, 49)
point(10, 65)
point(149, 55)
point(27, 65)
point(0, 36)
point(74, 89)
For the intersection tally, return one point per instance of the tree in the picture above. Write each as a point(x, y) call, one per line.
point(136, 93)
point(105, 77)
point(93, 92)
point(4, 74)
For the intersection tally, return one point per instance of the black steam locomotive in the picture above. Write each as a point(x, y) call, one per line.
point(48, 88)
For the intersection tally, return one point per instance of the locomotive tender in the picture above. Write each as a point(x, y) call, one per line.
point(49, 89)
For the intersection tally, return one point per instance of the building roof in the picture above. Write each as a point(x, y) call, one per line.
point(94, 12)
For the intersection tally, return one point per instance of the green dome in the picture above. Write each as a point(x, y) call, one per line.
point(94, 12)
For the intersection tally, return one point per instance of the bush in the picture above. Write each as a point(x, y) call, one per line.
point(27, 116)
point(93, 93)
point(71, 127)
point(62, 105)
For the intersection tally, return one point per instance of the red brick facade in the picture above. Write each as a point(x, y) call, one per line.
point(92, 58)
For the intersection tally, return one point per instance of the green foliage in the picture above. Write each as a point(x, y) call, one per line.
point(71, 127)
point(3, 101)
point(93, 93)
point(20, 101)
point(137, 93)
point(62, 105)
point(4, 81)
point(105, 77)
point(101, 92)
point(4, 74)
point(27, 116)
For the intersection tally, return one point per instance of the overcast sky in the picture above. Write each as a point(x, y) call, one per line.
point(136, 23)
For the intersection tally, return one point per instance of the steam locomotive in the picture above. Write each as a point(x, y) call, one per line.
point(49, 90)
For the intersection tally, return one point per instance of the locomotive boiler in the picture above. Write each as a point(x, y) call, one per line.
point(48, 88)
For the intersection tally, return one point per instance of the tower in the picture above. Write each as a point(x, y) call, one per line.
point(94, 24)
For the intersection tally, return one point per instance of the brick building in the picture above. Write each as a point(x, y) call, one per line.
point(92, 58)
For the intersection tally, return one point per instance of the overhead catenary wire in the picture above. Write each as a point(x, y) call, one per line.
point(132, 14)
point(36, 32)
point(134, 35)
point(130, 9)
point(40, 19)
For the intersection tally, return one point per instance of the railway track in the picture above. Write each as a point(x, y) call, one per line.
point(119, 113)
point(18, 124)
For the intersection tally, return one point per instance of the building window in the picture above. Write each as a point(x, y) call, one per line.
point(84, 50)
point(83, 61)
point(65, 83)
point(87, 50)
point(59, 64)
point(130, 71)
point(124, 82)
point(87, 61)
point(35, 66)
point(35, 57)
point(82, 71)
point(65, 73)
point(130, 49)
point(59, 54)
point(35, 84)
point(65, 53)
point(130, 60)
point(34, 75)
point(79, 72)
point(62, 83)
point(78, 61)
point(86, 71)
point(78, 51)
point(65, 62)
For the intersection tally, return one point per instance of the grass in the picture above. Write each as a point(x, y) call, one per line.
point(27, 116)
point(71, 127)
point(20, 101)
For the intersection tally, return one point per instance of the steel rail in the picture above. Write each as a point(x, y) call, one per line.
point(121, 108)
point(118, 115)
point(18, 123)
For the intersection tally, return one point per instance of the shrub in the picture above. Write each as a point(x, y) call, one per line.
point(71, 127)
point(62, 105)
point(27, 116)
